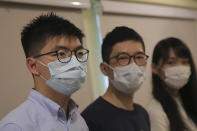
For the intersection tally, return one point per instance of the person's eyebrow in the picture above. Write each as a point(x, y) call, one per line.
point(138, 52)
point(79, 47)
point(172, 57)
point(63, 47)
point(59, 47)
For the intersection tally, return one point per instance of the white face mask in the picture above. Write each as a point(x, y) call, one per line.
point(66, 78)
point(178, 76)
point(129, 78)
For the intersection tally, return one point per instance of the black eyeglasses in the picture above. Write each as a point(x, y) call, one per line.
point(124, 58)
point(64, 55)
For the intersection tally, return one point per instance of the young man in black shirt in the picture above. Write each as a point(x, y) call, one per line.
point(124, 61)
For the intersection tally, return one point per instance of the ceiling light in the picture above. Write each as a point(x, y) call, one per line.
point(76, 3)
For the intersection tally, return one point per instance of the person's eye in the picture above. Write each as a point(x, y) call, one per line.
point(123, 58)
point(140, 57)
point(186, 62)
point(61, 53)
point(80, 53)
point(170, 62)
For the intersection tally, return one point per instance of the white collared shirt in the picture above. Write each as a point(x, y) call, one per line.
point(39, 113)
point(159, 119)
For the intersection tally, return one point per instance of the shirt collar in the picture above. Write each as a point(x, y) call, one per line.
point(72, 107)
point(50, 105)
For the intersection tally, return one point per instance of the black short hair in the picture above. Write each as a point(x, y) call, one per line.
point(119, 34)
point(35, 35)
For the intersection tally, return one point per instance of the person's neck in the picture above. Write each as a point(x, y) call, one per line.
point(119, 99)
point(58, 98)
point(172, 91)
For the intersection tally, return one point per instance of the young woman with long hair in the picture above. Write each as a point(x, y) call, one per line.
point(174, 104)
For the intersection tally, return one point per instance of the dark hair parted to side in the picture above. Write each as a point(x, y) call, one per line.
point(188, 94)
point(119, 34)
point(36, 34)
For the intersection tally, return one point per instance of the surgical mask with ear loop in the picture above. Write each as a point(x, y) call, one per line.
point(66, 78)
point(129, 78)
point(177, 76)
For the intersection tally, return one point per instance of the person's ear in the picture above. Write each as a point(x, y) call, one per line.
point(155, 69)
point(104, 69)
point(32, 66)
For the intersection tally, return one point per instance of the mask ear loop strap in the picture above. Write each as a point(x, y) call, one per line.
point(43, 65)
point(43, 77)
point(108, 65)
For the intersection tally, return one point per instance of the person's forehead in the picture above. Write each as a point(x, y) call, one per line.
point(129, 46)
point(171, 56)
point(61, 41)
point(172, 53)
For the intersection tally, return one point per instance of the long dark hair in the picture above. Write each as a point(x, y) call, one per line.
point(188, 94)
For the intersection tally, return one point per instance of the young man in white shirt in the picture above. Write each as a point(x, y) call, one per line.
point(57, 60)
